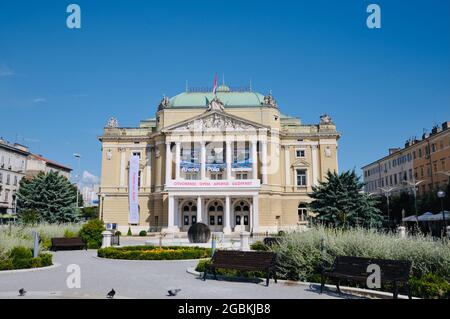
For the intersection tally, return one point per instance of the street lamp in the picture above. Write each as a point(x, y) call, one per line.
point(387, 192)
point(441, 195)
point(78, 156)
point(414, 185)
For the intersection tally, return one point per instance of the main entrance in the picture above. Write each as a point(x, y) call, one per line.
point(241, 215)
point(215, 215)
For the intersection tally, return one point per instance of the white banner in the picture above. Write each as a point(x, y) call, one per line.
point(237, 183)
point(133, 217)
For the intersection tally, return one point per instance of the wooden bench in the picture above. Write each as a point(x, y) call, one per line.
point(243, 260)
point(356, 269)
point(68, 243)
point(270, 241)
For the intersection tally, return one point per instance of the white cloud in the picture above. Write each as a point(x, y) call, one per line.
point(89, 178)
point(39, 100)
point(6, 71)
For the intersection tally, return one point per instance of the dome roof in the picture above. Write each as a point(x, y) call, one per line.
point(224, 94)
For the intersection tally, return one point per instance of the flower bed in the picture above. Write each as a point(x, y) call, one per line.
point(154, 253)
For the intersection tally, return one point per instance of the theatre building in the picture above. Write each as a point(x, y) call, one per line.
point(229, 159)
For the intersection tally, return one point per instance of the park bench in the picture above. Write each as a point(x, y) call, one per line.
point(270, 241)
point(243, 260)
point(68, 243)
point(356, 269)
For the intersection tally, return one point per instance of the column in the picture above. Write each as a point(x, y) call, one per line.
point(228, 159)
point(254, 159)
point(148, 179)
point(199, 209)
point(122, 167)
point(255, 212)
point(287, 164)
point(227, 227)
point(315, 165)
point(177, 160)
point(171, 213)
point(264, 161)
point(168, 163)
point(203, 160)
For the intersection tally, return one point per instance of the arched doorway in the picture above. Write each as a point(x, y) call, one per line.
point(241, 210)
point(188, 210)
point(215, 215)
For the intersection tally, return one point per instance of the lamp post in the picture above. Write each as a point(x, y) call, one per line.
point(78, 156)
point(387, 192)
point(414, 185)
point(441, 195)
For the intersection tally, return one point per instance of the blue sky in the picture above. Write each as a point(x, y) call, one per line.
point(59, 86)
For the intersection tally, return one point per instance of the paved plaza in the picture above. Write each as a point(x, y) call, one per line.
point(139, 279)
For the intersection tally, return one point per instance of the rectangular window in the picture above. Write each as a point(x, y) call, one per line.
point(216, 176)
point(300, 153)
point(420, 152)
point(6, 195)
point(301, 177)
point(8, 179)
point(138, 154)
point(15, 180)
point(241, 176)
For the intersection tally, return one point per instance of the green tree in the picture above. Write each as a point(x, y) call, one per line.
point(340, 201)
point(50, 195)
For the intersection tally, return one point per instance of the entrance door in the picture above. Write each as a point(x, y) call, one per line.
point(241, 216)
point(188, 214)
point(215, 216)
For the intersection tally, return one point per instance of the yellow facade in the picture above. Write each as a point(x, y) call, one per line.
point(238, 159)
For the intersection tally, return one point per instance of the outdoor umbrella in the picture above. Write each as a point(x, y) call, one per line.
point(411, 218)
point(425, 217)
point(438, 216)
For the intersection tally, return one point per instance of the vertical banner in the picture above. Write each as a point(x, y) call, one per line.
point(133, 217)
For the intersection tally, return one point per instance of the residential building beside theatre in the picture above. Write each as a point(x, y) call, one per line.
point(230, 160)
point(425, 163)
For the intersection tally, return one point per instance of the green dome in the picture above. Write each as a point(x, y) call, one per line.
point(228, 98)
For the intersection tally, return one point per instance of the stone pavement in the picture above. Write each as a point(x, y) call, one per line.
point(139, 279)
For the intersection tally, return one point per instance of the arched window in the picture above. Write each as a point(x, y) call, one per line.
point(302, 212)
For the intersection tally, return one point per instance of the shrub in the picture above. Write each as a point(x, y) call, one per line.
point(301, 258)
point(91, 233)
point(129, 233)
point(258, 245)
point(142, 233)
point(6, 264)
point(21, 253)
point(118, 233)
point(430, 286)
point(154, 253)
point(69, 233)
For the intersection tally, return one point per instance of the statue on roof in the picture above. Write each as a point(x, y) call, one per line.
point(112, 123)
point(270, 101)
point(325, 119)
point(215, 105)
point(164, 103)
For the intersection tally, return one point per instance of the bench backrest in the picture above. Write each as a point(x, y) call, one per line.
point(251, 259)
point(67, 241)
point(269, 241)
point(391, 270)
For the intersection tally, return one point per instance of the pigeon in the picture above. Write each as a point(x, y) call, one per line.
point(173, 292)
point(111, 294)
point(22, 292)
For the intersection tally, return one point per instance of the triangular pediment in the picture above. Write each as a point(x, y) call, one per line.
point(300, 163)
point(215, 121)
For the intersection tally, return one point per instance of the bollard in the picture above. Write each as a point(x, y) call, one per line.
point(106, 240)
point(36, 244)
point(402, 231)
point(244, 241)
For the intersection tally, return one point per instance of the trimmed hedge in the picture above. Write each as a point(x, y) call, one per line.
point(22, 258)
point(154, 252)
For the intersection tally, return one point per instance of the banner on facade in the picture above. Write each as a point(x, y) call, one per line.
point(189, 167)
point(133, 217)
point(245, 165)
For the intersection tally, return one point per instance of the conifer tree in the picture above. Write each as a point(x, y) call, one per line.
point(340, 201)
point(51, 195)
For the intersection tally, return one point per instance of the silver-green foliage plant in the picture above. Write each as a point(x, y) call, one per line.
point(302, 256)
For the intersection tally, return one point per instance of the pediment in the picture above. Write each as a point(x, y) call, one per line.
point(215, 121)
point(300, 163)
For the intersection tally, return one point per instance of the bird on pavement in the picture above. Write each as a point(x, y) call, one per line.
point(173, 292)
point(111, 294)
point(22, 292)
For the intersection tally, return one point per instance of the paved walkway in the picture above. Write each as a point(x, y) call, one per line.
point(138, 279)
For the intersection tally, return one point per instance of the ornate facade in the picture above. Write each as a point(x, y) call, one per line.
point(232, 161)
